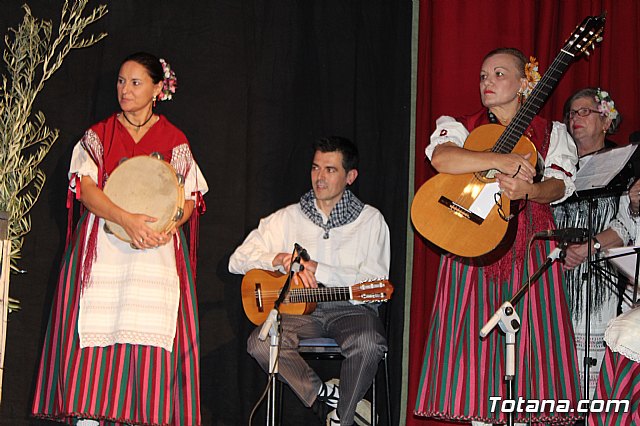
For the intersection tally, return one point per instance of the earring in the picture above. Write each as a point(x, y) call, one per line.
point(521, 97)
point(154, 101)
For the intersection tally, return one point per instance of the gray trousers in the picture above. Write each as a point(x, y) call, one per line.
point(358, 331)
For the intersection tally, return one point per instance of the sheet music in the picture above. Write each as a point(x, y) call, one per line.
point(625, 264)
point(600, 168)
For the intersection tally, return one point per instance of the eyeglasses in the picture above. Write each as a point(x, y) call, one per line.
point(582, 112)
point(497, 197)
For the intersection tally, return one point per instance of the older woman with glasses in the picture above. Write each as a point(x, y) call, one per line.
point(590, 115)
point(620, 373)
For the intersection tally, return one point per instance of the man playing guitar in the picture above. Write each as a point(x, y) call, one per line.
point(347, 242)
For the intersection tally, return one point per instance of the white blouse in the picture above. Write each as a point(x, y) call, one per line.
point(132, 296)
point(562, 150)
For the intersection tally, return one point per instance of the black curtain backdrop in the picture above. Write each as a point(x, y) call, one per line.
point(258, 81)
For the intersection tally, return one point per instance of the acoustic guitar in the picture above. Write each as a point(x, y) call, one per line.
point(460, 213)
point(260, 290)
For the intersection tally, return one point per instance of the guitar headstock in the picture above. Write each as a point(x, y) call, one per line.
point(372, 291)
point(585, 35)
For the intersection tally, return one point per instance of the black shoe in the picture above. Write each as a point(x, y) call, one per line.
point(320, 409)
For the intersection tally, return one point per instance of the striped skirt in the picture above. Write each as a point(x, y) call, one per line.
point(119, 384)
point(461, 372)
point(619, 379)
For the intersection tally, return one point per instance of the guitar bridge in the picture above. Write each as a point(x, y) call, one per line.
point(460, 211)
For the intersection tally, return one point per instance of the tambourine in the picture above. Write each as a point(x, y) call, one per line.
point(146, 185)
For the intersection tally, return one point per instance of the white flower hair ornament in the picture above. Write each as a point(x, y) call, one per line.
point(606, 106)
point(532, 75)
point(169, 82)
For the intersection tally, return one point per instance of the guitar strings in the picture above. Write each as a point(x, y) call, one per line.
point(297, 295)
point(305, 290)
point(528, 107)
point(301, 294)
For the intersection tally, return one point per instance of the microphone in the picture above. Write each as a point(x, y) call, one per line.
point(302, 252)
point(567, 234)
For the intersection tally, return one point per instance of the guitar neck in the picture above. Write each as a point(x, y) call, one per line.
point(321, 294)
point(533, 104)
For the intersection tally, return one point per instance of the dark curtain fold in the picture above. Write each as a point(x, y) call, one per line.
point(454, 36)
point(258, 81)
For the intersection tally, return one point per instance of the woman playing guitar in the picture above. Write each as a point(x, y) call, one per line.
point(461, 372)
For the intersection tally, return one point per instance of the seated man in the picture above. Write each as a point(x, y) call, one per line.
point(348, 242)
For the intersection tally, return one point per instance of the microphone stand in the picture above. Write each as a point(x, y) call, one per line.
point(588, 362)
point(271, 326)
point(508, 320)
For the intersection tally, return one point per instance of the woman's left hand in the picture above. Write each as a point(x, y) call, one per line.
point(166, 237)
point(575, 255)
point(514, 188)
point(155, 240)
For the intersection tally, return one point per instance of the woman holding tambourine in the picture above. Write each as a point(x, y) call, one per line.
point(122, 342)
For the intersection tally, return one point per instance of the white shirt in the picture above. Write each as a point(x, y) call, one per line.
point(355, 252)
point(562, 150)
point(624, 224)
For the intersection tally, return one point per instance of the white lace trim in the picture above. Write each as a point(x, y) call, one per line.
point(93, 145)
point(569, 185)
point(182, 159)
point(122, 336)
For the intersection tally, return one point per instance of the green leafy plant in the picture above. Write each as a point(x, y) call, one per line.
point(33, 54)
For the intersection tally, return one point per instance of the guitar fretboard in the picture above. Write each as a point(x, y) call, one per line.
point(323, 294)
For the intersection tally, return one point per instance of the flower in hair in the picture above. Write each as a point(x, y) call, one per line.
point(532, 74)
point(169, 82)
point(606, 106)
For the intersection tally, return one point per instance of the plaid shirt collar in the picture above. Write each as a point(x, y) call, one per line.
point(345, 211)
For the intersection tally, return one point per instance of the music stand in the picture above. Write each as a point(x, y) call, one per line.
point(606, 173)
point(620, 258)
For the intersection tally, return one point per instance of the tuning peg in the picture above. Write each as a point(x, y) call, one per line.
point(586, 52)
point(599, 39)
